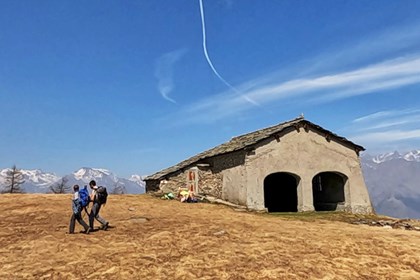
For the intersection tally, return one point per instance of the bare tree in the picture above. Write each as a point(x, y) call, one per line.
point(61, 186)
point(118, 189)
point(13, 181)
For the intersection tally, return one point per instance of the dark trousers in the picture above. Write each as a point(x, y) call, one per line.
point(94, 214)
point(74, 218)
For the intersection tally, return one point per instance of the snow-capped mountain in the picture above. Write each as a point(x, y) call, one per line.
point(37, 181)
point(378, 159)
point(412, 156)
point(393, 181)
point(137, 179)
point(106, 178)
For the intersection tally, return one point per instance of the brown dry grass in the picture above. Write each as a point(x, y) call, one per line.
point(157, 239)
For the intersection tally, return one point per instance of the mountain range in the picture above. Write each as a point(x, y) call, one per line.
point(37, 181)
point(393, 181)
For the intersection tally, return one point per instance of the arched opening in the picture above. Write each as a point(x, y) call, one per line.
point(280, 192)
point(328, 190)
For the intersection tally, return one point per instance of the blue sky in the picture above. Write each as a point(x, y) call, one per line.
point(131, 86)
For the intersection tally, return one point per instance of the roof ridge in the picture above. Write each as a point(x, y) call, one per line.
point(301, 117)
point(243, 141)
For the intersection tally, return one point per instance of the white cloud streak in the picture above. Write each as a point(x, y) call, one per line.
point(203, 29)
point(372, 65)
point(374, 46)
point(390, 74)
point(387, 136)
point(382, 114)
point(372, 79)
point(391, 129)
point(393, 122)
point(164, 72)
point(404, 115)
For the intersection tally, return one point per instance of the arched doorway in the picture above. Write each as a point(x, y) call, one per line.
point(328, 190)
point(280, 192)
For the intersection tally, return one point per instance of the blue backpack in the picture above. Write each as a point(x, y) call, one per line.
point(84, 197)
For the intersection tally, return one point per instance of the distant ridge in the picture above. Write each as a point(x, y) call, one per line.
point(408, 156)
point(393, 181)
point(38, 181)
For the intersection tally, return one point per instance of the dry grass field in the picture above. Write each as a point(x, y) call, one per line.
point(159, 239)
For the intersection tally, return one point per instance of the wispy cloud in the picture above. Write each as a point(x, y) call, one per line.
point(389, 118)
point(388, 136)
point(372, 48)
point(390, 129)
point(371, 79)
point(398, 72)
point(371, 65)
point(164, 72)
point(384, 114)
point(393, 123)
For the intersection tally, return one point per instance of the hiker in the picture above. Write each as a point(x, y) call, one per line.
point(77, 212)
point(96, 207)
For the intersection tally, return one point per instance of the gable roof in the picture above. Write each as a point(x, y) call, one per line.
point(243, 141)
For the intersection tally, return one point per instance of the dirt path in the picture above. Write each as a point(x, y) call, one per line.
point(158, 239)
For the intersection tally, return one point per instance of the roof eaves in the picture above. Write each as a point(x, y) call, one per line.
point(247, 140)
point(227, 147)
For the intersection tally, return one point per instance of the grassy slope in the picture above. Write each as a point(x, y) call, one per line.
point(158, 239)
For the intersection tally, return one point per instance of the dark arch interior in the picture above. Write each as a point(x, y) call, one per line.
point(280, 192)
point(328, 191)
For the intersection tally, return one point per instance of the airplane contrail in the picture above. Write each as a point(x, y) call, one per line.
point(203, 25)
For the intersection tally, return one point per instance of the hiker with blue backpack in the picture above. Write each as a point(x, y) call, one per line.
point(77, 211)
point(98, 196)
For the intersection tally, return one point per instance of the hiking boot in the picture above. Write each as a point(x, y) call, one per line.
point(105, 227)
point(87, 231)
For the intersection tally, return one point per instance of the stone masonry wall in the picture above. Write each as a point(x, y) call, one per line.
point(178, 180)
point(239, 177)
point(210, 179)
point(210, 183)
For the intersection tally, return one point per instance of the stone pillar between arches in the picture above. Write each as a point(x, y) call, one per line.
point(305, 196)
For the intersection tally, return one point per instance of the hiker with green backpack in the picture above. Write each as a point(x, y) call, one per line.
point(98, 196)
point(77, 206)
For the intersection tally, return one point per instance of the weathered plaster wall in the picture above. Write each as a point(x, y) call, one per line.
point(212, 179)
point(239, 177)
point(305, 153)
point(232, 171)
